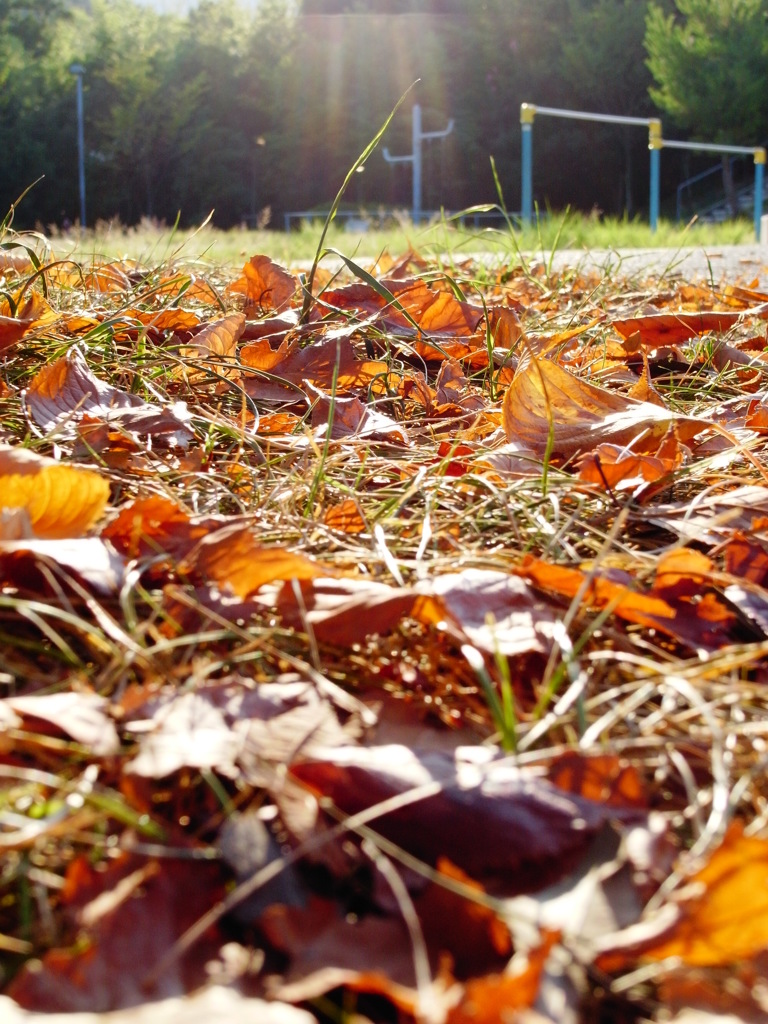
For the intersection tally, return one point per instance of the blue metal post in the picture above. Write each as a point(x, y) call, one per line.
point(759, 171)
point(527, 114)
point(654, 144)
point(78, 71)
point(416, 151)
point(414, 157)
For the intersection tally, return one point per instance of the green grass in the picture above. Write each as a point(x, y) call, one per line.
point(151, 243)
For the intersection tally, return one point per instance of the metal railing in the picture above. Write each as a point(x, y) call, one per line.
point(656, 142)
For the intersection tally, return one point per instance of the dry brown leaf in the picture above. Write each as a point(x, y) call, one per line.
point(345, 517)
point(128, 912)
point(83, 716)
point(66, 390)
point(328, 364)
point(619, 469)
point(699, 621)
point(517, 829)
point(672, 328)
point(59, 500)
point(718, 918)
point(266, 286)
point(496, 998)
point(32, 313)
point(234, 558)
point(214, 346)
point(543, 398)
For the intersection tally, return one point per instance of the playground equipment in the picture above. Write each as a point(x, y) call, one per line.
point(414, 157)
point(656, 143)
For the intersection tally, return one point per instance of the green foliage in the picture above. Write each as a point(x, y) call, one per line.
point(710, 63)
point(247, 108)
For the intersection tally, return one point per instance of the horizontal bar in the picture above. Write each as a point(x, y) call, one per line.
point(582, 115)
point(709, 147)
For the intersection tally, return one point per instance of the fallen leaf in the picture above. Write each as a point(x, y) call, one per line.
point(488, 609)
point(328, 364)
point(546, 408)
point(83, 716)
point(265, 285)
point(345, 517)
point(703, 625)
point(234, 558)
point(339, 418)
point(672, 328)
point(214, 347)
point(66, 390)
point(621, 469)
point(719, 917)
point(60, 500)
point(496, 998)
point(129, 912)
point(495, 821)
point(33, 313)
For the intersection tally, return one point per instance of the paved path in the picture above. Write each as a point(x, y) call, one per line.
point(718, 265)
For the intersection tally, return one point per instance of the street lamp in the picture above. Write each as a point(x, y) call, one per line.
point(78, 71)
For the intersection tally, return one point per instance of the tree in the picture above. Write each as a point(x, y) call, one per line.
point(710, 64)
point(603, 44)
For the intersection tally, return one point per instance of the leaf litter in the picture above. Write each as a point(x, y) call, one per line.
point(398, 655)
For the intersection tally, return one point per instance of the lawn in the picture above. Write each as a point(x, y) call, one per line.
point(152, 243)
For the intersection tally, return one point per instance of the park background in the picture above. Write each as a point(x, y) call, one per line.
point(252, 108)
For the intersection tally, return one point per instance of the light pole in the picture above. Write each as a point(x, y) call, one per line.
point(78, 71)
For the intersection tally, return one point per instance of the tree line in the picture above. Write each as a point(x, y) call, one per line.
point(256, 107)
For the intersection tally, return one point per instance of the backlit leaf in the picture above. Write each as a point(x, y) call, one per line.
point(265, 285)
point(60, 500)
point(235, 559)
point(720, 916)
point(66, 390)
point(543, 397)
point(672, 328)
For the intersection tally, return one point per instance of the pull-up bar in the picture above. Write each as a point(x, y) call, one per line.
point(414, 157)
point(528, 112)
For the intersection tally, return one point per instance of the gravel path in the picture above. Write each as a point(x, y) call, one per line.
point(717, 265)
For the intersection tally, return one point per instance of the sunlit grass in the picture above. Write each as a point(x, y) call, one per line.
point(150, 243)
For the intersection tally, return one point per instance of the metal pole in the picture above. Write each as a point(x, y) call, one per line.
point(414, 157)
point(416, 151)
point(759, 171)
point(654, 144)
point(78, 71)
point(527, 114)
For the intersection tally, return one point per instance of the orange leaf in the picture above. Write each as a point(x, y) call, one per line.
point(319, 364)
point(154, 525)
point(34, 312)
point(672, 328)
point(215, 347)
point(722, 915)
point(494, 999)
point(345, 517)
point(265, 285)
point(233, 557)
point(544, 398)
point(60, 500)
point(703, 625)
point(604, 778)
point(622, 470)
point(66, 390)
